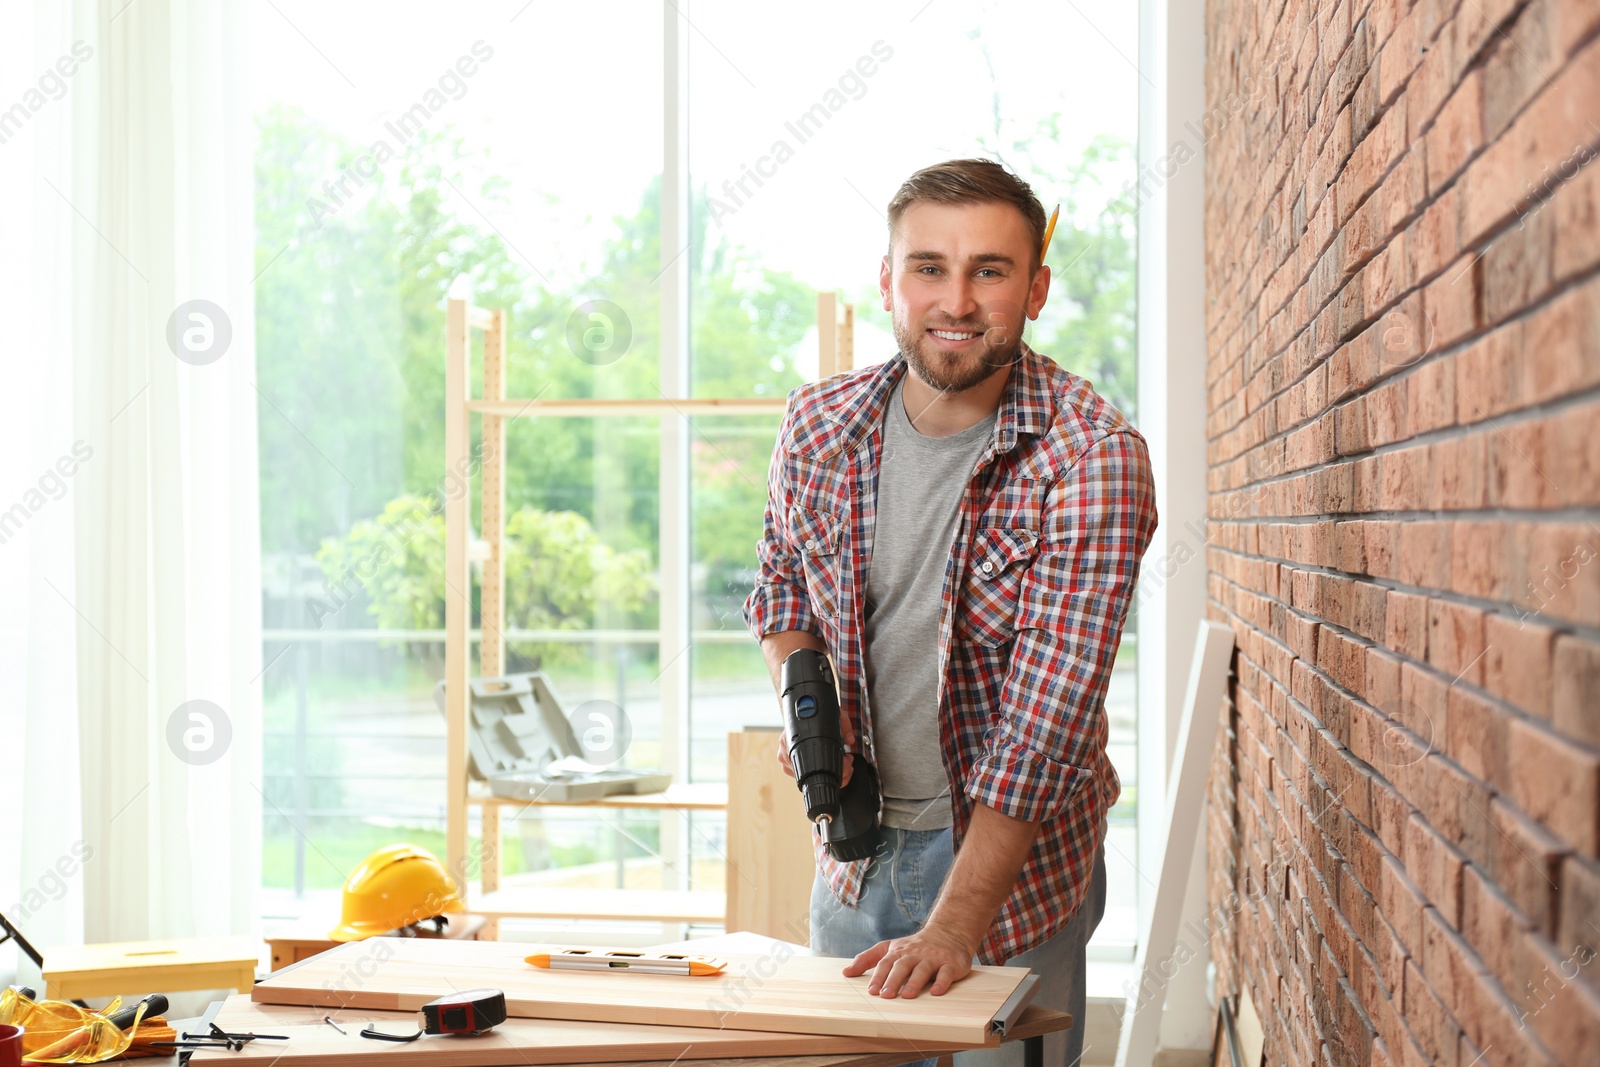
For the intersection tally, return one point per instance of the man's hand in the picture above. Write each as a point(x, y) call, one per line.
point(931, 957)
point(849, 742)
point(984, 873)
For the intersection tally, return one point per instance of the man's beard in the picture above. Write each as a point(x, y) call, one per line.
point(950, 372)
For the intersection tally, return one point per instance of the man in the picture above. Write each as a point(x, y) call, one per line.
point(960, 529)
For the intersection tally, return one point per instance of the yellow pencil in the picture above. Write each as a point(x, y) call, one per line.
point(1049, 232)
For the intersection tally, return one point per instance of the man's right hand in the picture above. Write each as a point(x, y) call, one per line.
point(849, 743)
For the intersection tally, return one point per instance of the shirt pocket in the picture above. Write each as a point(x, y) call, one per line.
point(815, 537)
point(999, 560)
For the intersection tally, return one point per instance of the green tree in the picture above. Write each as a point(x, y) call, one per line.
point(557, 573)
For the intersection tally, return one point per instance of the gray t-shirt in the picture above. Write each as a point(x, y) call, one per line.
point(921, 481)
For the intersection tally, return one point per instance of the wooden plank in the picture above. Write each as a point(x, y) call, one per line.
point(827, 334)
point(1186, 799)
point(312, 1042)
point(591, 407)
point(492, 506)
point(847, 339)
point(457, 582)
point(770, 866)
point(701, 796)
point(773, 992)
point(610, 905)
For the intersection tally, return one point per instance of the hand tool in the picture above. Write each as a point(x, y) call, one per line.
point(587, 959)
point(155, 1004)
point(469, 1012)
point(846, 815)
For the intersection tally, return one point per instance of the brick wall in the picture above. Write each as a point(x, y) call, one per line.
point(1403, 344)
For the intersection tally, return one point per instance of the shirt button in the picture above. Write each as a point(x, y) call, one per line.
point(811, 546)
point(988, 566)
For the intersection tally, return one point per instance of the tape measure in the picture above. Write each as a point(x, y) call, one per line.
point(471, 1012)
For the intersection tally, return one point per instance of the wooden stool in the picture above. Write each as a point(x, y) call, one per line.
point(77, 972)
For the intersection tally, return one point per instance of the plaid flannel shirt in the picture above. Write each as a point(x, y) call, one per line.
point(1059, 510)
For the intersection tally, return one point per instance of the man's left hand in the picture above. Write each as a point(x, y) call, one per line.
point(904, 966)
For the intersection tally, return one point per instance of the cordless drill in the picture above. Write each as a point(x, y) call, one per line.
point(846, 815)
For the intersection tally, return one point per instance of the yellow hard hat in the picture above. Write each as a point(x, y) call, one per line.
point(395, 886)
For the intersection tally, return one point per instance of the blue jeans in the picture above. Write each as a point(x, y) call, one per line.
point(902, 885)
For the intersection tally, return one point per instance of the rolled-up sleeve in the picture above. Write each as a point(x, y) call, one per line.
point(1097, 521)
point(779, 600)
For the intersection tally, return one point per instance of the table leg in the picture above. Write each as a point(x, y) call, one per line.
point(1033, 1051)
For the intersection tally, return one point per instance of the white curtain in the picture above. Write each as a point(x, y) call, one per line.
point(130, 596)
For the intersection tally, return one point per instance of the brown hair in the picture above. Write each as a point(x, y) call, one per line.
point(971, 181)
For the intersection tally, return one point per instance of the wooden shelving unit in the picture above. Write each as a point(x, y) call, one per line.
point(462, 319)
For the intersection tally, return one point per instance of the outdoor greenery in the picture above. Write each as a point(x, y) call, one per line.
point(557, 573)
point(350, 322)
point(350, 327)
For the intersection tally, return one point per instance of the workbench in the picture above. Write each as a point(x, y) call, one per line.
point(312, 1042)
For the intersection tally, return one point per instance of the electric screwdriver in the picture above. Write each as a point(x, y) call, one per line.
point(846, 815)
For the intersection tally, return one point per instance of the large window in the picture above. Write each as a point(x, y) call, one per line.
point(522, 146)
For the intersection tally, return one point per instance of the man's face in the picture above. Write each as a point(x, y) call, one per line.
point(956, 280)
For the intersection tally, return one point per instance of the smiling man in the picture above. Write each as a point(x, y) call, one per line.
point(960, 529)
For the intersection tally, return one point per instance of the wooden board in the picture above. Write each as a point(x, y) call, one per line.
point(1186, 800)
point(539, 1041)
point(610, 905)
point(313, 1042)
point(777, 991)
point(770, 866)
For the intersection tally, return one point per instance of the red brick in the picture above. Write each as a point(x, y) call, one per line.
point(1404, 479)
point(1515, 269)
point(1489, 375)
point(1433, 395)
point(1489, 921)
point(1558, 783)
point(1430, 1021)
point(1566, 335)
point(1496, 185)
point(1563, 1008)
point(1560, 578)
point(1477, 557)
point(1573, 21)
point(1431, 240)
point(1517, 466)
point(1493, 1022)
point(1378, 540)
point(1578, 920)
point(1459, 472)
point(1447, 961)
point(1516, 666)
point(1387, 413)
point(1525, 863)
point(1450, 305)
point(1457, 133)
point(1436, 868)
point(1576, 205)
point(1521, 63)
point(1425, 553)
point(1477, 736)
point(1455, 640)
point(1407, 624)
point(1573, 454)
point(1575, 683)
